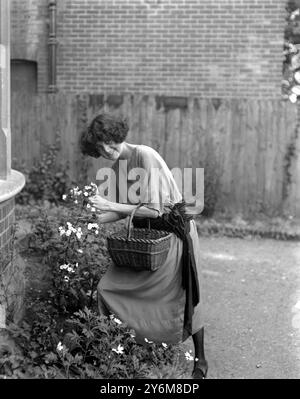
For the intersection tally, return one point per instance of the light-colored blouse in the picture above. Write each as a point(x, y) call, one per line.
point(145, 178)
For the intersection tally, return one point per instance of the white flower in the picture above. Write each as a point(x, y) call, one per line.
point(60, 347)
point(117, 321)
point(164, 345)
point(88, 206)
point(68, 233)
point(86, 194)
point(293, 98)
point(62, 267)
point(149, 342)
point(292, 48)
point(64, 197)
point(296, 90)
point(93, 209)
point(78, 234)
point(62, 232)
point(188, 356)
point(80, 251)
point(66, 279)
point(96, 232)
point(75, 202)
point(119, 350)
point(294, 14)
point(71, 270)
point(93, 226)
point(297, 76)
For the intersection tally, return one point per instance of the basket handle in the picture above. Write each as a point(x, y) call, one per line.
point(129, 225)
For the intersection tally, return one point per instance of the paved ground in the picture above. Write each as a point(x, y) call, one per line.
point(251, 295)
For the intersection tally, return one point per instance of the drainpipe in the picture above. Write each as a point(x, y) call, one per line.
point(52, 43)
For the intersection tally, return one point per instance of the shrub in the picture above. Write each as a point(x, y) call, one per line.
point(84, 346)
point(72, 246)
point(47, 179)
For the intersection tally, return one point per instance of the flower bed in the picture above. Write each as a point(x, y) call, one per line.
point(62, 335)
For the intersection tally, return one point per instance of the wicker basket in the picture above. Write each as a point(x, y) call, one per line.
point(140, 248)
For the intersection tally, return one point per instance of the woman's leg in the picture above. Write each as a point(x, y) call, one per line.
point(200, 364)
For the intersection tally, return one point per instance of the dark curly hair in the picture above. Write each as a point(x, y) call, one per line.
point(104, 128)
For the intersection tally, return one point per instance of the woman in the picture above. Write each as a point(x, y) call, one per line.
point(162, 306)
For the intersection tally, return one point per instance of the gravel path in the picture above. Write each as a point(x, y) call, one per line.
point(251, 295)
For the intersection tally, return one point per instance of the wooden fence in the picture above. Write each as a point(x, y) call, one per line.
point(253, 145)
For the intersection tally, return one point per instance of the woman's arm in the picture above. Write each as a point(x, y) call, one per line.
point(109, 206)
point(143, 211)
point(107, 217)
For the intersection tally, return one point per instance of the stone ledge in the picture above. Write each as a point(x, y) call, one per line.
point(12, 186)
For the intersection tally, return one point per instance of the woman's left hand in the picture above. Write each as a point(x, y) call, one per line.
point(100, 203)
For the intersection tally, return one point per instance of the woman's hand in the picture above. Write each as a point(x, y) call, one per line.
point(100, 203)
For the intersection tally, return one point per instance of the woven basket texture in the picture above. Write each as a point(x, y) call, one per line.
point(146, 249)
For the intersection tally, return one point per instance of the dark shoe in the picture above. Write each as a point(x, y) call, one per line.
point(200, 372)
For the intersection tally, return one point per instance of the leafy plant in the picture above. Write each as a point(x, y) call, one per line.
point(73, 247)
point(62, 335)
point(47, 179)
point(291, 53)
point(82, 347)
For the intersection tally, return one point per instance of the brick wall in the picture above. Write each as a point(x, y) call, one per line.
point(12, 268)
point(7, 218)
point(29, 31)
point(221, 48)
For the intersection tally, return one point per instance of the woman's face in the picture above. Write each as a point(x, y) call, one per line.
point(110, 150)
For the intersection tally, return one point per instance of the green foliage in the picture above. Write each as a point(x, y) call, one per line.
point(73, 247)
point(62, 335)
point(47, 179)
point(291, 53)
point(82, 347)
